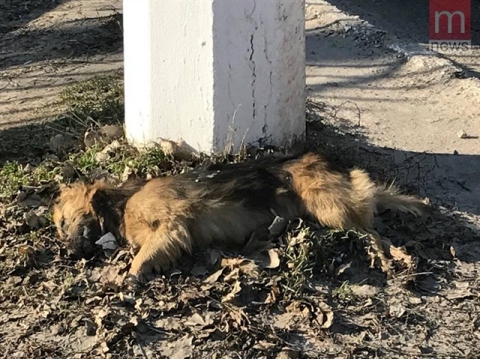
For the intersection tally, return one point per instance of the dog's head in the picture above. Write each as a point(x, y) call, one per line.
point(77, 219)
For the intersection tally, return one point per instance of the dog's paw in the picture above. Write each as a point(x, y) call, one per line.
point(379, 260)
point(134, 281)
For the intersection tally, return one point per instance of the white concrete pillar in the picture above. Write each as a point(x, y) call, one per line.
point(214, 72)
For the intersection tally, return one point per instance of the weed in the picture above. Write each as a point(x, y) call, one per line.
point(11, 177)
point(43, 174)
point(344, 293)
point(96, 100)
point(126, 157)
point(68, 282)
point(86, 160)
point(300, 261)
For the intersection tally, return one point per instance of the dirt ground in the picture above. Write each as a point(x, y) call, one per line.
point(375, 100)
point(46, 45)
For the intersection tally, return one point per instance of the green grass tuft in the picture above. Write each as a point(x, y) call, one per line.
point(97, 100)
point(13, 175)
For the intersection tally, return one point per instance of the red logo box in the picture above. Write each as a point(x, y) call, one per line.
point(450, 20)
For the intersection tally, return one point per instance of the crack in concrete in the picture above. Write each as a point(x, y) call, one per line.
point(265, 51)
point(254, 75)
point(252, 60)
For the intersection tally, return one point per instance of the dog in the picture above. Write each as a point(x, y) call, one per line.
point(222, 205)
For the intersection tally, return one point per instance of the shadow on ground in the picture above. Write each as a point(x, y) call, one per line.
point(14, 14)
point(47, 45)
point(407, 20)
point(76, 39)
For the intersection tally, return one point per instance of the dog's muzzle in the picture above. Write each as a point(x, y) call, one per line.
point(82, 244)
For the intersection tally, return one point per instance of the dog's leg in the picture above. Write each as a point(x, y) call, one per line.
point(161, 247)
point(377, 253)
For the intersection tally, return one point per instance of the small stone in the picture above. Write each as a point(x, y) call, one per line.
point(90, 139)
point(180, 149)
point(111, 131)
point(51, 157)
point(364, 290)
point(288, 353)
point(35, 221)
point(29, 168)
point(68, 171)
point(462, 134)
point(61, 144)
point(112, 147)
point(102, 157)
point(100, 174)
point(103, 135)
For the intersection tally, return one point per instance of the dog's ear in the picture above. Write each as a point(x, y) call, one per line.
point(107, 205)
point(96, 186)
point(50, 193)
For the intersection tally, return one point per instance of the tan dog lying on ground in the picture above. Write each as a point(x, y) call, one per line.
point(222, 206)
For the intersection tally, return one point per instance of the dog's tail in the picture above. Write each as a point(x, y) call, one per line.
point(389, 197)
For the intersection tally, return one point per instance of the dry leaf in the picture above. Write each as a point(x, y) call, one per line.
point(272, 296)
point(236, 289)
point(324, 315)
point(274, 259)
point(283, 321)
point(232, 262)
point(169, 323)
point(214, 277)
point(250, 269)
point(343, 268)
point(396, 311)
point(29, 199)
point(199, 321)
point(269, 260)
point(181, 349)
point(453, 252)
point(108, 276)
point(287, 353)
point(278, 226)
point(264, 345)
point(399, 254)
point(365, 290)
point(234, 274)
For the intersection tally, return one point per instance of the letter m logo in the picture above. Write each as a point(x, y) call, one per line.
point(450, 20)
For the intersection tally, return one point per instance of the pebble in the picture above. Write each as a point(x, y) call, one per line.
point(60, 144)
point(462, 134)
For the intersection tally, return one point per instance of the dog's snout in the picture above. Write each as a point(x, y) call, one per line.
point(81, 243)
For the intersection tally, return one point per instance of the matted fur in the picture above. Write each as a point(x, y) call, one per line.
point(222, 205)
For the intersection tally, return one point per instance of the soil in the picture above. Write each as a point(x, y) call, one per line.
point(373, 102)
point(46, 45)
